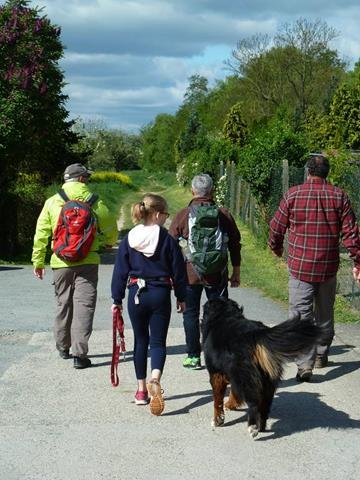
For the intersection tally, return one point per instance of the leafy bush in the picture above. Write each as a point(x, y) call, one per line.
point(104, 177)
point(266, 149)
point(29, 195)
point(222, 191)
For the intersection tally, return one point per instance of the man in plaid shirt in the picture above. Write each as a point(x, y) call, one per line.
point(317, 215)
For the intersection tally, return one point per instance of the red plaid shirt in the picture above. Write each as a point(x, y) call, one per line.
point(317, 215)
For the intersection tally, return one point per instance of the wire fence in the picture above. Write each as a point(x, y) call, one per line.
point(238, 199)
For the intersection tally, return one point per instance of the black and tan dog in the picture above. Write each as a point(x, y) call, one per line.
point(249, 356)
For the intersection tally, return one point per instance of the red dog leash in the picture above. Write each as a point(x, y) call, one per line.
point(118, 345)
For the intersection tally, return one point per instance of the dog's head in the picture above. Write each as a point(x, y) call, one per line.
point(220, 306)
point(218, 311)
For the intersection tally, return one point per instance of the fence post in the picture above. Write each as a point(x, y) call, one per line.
point(238, 197)
point(221, 170)
point(285, 175)
point(252, 213)
point(232, 187)
point(247, 205)
point(228, 182)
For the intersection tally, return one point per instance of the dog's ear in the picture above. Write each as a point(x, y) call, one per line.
point(235, 306)
point(214, 306)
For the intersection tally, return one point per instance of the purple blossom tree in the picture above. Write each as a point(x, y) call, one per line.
point(35, 133)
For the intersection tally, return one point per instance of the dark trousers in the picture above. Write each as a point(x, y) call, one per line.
point(192, 314)
point(150, 320)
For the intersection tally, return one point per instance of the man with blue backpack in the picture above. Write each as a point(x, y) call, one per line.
point(79, 224)
point(207, 234)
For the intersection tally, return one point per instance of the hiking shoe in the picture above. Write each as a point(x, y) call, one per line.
point(304, 375)
point(65, 354)
point(321, 361)
point(141, 398)
point(82, 362)
point(193, 363)
point(157, 403)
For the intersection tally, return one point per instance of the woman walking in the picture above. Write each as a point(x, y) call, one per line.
point(149, 262)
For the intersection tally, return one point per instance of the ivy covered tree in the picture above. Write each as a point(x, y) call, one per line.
point(344, 116)
point(35, 135)
point(235, 128)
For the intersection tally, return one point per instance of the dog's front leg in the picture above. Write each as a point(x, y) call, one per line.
point(218, 383)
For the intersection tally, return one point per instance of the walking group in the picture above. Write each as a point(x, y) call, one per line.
point(190, 258)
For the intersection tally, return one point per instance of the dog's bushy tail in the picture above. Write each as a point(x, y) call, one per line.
point(284, 342)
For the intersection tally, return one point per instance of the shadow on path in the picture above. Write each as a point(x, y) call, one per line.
point(299, 412)
point(322, 375)
point(172, 350)
point(128, 358)
point(4, 268)
point(303, 411)
point(205, 397)
point(340, 349)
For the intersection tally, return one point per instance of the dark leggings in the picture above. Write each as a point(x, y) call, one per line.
point(150, 322)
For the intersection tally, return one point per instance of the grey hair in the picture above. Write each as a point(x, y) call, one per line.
point(74, 179)
point(202, 185)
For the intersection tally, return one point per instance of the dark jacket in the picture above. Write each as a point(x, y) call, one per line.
point(180, 228)
point(167, 261)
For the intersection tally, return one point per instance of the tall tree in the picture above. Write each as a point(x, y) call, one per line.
point(35, 135)
point(295, 70)
point(221, 99)
point(197, 90)
point(195, 100)
point(191, 138)
point(158, 144)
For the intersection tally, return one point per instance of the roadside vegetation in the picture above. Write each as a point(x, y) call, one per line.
point(285, 96)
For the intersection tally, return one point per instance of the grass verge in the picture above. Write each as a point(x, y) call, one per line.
point(261, 269)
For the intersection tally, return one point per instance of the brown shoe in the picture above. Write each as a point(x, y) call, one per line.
point(304, 375)
point(155, 391)
point(321, 361)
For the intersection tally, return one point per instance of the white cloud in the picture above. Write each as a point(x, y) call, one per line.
point(127, 61)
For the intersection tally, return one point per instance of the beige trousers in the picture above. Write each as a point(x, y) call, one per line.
point(75, 293)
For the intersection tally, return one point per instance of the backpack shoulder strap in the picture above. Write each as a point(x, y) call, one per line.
point(92, 199)
point(63, 195)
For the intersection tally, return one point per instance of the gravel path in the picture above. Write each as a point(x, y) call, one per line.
point(57, 422)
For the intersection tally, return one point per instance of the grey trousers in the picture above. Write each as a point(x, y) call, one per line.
point(75, 293)
point(314, 301)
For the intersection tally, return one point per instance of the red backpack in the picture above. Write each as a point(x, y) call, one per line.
point(75, 230)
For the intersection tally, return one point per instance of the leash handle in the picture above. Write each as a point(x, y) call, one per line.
point(118, 333)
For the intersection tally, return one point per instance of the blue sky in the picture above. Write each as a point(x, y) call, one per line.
point(127, 61)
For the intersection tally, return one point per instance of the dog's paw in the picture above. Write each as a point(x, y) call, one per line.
point(253, 430)
point(217, 421)
point(230, 405)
